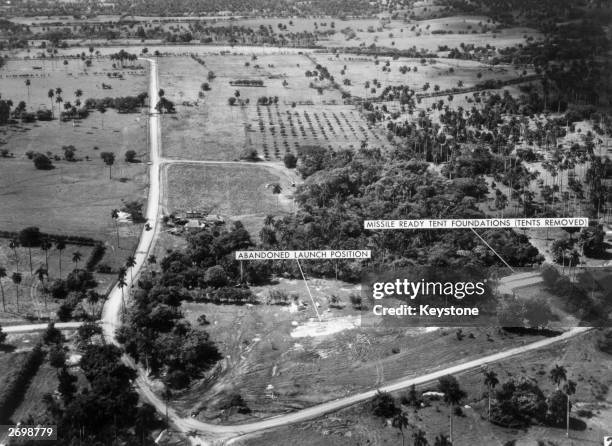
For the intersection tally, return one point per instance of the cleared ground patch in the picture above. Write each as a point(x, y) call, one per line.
point(276, 372)
point(233, 191)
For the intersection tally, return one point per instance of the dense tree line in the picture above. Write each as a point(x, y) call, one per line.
point(344, 188)
point(127, 104)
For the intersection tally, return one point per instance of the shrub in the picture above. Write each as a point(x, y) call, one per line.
point(215, 276)
point(52, 335)
point(384, 405)
point(356, 301)
point(290, 160)
point(134, 208)
point(130, 156)
point(234, 400)
point(249, 155)
point(57, 289)
point(42, 162)
point(104, 268)
point(80, 280)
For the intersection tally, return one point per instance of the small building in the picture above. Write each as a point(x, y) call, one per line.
point(214, 219)
point(193, 224)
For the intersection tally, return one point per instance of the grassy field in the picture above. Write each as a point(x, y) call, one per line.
point(446, 73)
point(270, 362)
point(400, 35)
point(589, 367)
point(236, 192)
point(76, 197)
point(210, 129)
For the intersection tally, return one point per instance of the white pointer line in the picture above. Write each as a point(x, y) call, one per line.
point(495, 252)
point(308, 289)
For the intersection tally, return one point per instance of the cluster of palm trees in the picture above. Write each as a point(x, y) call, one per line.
point(123, 56)
point(55, 95)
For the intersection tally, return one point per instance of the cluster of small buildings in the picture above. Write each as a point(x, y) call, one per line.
point(192, 221)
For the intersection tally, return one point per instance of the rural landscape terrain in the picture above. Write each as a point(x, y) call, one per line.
point(145, 144)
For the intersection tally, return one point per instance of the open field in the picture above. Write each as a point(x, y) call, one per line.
point(446, 73)
point(270, 362)
point(589, 367)
point(210, 129)
point(45, 74)
point(400, 35)
point(76, 197)
point(235, 192)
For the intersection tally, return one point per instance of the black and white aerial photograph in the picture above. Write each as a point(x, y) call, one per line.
point(306, 222)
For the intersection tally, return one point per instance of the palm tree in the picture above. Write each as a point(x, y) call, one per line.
point(131, 263)
point(122, 284)
point(45, 245)
point(557, 375)
point(115, 217)
point(76, 258)
point(400, 421)
point(152, 260)
point(93, 298)
point(2, 275)
point(276, 190)
point(78, 93)
point(14, 244)
point(16, 278)
point(27, 84)
point(59, 100)
point(50, 95)
point(569, 389)
point(490, 380)
point(60, 245)
point(453, 394)
point(42, 272)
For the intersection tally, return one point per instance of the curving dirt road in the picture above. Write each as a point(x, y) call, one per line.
point(212, 433)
